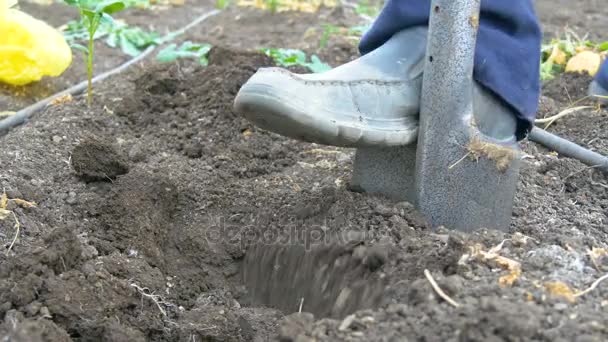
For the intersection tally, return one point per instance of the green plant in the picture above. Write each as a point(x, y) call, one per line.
point(365, 8)
point(93, 14)
point(221, 4)
point(186, 50)
point(292, 57)
point(137, 3)
point(556, 54)
point(358, 30)
point(328, 30)
point(131, 40)
point(273, 5)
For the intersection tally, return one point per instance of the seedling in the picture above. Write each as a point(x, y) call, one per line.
point(273, 5)
point(221, 4)
point(186, 50)
point(328, 30)
point(291, 57)
point(130, 39)
point(93, 13)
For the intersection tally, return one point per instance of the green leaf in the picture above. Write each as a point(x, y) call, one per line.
point(291, 57)
point(110, 7)
point(72, 2)
point(317, 65)
point(186, 50)
point(90, 15)
point(106, 19)
point(168, 54)
point(221, 4)
point(112, 40)
point(603, 46)
point(80, 47)
point(358, 30)
point(128, 47)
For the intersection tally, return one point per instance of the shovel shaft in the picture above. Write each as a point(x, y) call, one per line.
point(448, 72)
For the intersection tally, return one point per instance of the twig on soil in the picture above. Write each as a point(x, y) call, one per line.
point(592, 287)
point(439, 291)
point(322, 151)
point(18, 227)
point(593, 182)
point(576, 173)
point(301, 303)
point(550, 120)
point(158, 300)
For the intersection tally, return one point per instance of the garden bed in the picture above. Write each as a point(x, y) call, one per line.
point(147, 202)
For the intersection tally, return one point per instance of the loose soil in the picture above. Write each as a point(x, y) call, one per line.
point(159, 210)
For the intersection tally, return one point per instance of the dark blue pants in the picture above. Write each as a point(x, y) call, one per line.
point(602, 75)
point(507, 56)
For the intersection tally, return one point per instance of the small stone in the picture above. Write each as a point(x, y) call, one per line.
point(385, 211)
point(193, 150)
point(71, 199)
point(44, 312)
point(304, 338)
point(89, 252)
point(399, 309)
point(56, 139)
point(6, 306)
point(342, 158)
point(453, 284)
point(346, 323)
point(33, 308)
point(376, 256)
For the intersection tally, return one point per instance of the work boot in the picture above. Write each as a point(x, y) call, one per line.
point(598, 92)
point(372, 101)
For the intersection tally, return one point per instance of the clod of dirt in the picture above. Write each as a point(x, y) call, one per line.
point(220, 56)
point(98, 160)
point(294, 326)
point(17, 328)
point(114, 331)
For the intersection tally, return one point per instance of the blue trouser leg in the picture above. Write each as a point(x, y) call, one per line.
point(507, 55)
point(602, 76)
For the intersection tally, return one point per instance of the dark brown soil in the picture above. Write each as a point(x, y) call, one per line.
point(160, 216)
point(98, 160)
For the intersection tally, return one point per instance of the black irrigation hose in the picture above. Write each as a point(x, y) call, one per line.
point(23, 115)
point(569, 149)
